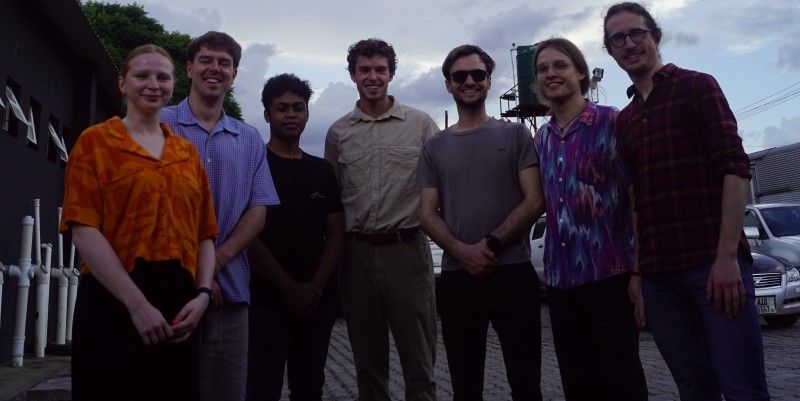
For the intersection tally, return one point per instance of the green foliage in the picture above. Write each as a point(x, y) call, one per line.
point(122, 27)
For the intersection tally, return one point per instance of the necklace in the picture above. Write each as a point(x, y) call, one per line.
point(562, 127)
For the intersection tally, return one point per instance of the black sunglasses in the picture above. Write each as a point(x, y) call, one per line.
point(637, 36)
point(460, 76)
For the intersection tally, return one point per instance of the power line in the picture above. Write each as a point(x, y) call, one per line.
point(769, 102)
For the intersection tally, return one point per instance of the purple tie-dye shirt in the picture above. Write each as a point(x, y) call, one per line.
point(589, 233)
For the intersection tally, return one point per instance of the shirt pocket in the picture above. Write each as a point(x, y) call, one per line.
point(353, 169)
point(401, 162)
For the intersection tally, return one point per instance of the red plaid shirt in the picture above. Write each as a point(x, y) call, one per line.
point(678, 146)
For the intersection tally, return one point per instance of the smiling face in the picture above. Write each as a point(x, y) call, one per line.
point(372, 77)
point(558, 79)
point(637, 59)
point(148, 83)
point(469, 94)
point(212, 73)
point(287, 116)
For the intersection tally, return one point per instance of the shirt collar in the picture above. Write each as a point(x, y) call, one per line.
point(660, 75)
point(172, 151)
point(186, 117)
point(586, 117)
point(396, 111)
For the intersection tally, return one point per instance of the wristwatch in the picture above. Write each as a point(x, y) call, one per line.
point(493, 243)
point(207, 291)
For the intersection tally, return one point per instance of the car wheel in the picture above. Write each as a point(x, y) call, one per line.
point(781, 321)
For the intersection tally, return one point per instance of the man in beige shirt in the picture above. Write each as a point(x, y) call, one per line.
point(386, 274)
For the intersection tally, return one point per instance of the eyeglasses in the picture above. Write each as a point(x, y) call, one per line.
point(460, 76)
point(558, 66)
point(637, 36)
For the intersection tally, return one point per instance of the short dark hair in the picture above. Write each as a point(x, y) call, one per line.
point(634, 8)
point(369, 48)
point(215, 41)
point(574, 54)
point(280, 84)
point(463, 51)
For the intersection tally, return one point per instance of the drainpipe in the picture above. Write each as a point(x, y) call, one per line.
point(73, 292)
point(3, 269)
point(42, 301)
point(24, 274)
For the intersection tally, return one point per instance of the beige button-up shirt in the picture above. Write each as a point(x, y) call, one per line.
point(375, 161)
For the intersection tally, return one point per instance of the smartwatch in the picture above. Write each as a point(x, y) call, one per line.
point(207, 291)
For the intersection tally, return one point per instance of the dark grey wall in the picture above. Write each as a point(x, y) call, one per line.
point(45, 70)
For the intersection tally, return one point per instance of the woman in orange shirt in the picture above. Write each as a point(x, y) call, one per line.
point(139, 208)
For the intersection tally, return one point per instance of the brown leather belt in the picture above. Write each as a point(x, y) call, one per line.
point(403, 235)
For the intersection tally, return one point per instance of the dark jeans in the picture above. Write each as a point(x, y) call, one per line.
point(597, 341)
point(707, 353)
point(279, 339)
point(509, 299)
point(109, 358)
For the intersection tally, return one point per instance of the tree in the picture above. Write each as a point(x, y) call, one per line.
point(122, 27)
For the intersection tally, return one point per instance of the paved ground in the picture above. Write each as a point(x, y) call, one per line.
point(782, 347)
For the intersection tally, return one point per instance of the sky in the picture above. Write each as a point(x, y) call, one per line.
point(749, 46)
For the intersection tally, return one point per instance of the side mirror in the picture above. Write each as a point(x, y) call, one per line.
point(752, 233)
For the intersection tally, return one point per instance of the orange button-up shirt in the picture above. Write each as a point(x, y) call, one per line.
point(145, 207)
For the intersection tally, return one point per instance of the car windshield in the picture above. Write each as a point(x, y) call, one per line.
point(782, 221)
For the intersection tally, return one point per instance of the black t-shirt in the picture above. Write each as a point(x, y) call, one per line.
point(295, 230)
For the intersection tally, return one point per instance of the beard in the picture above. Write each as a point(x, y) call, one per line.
point(472, 104)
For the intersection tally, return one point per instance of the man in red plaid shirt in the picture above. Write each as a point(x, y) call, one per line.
point(689, 175)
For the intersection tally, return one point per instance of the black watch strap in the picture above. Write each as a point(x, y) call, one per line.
point(493, 243)
point(207, 291)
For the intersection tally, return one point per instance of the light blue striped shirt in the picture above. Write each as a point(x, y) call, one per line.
point(234, 157)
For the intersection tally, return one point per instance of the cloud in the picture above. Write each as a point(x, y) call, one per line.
point(680, 38)
point(786, 133)
point(195, 23)
point(519, 25)
point(789, 56)
point(427, 89)
point(332, 103)
point(249, 81)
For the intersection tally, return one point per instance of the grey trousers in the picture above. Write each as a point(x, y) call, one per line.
point(390, 287)
point(223, 353)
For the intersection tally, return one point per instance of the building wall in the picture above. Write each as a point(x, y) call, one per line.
point(43, 70)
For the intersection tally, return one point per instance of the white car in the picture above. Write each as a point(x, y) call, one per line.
point(537, 247)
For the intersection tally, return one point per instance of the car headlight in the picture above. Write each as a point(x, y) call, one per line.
point(792, 275)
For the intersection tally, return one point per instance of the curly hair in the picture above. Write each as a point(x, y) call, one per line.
point(280, 84)
point(369, 48)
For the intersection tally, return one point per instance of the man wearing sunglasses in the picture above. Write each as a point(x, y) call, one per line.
point(480, 193)
point(387, 271)
point(689, 175)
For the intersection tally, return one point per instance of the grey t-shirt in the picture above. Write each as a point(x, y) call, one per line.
point(476, 174)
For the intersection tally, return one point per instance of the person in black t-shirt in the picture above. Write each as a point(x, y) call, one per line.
point(292, 308)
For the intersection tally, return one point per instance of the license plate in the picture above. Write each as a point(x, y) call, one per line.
point(765, 305)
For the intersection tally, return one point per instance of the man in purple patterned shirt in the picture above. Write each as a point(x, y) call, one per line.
point(589, 243)
point(689, 175)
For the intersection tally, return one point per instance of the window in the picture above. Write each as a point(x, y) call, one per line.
point(34, 118)
point(14, 113)
point(538, 228)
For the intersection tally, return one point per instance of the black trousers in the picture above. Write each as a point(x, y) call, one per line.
point(279, 340)
point(597, 341)
point(109, 359)
point(509, 299)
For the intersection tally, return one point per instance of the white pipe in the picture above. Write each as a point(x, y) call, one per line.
point(24, 273)
point(73, 294)
point(42, 301)
point(2, 281)
point(62, 280)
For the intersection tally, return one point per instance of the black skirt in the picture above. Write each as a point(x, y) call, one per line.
point(109, 359)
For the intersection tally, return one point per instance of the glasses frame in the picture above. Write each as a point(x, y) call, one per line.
point(478, 75)
point(619, 39)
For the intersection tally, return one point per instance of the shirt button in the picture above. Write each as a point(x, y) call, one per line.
point(560, 179)
point(162, 233)
point(561, 159)
point(161, 169)
point(644, 120)
point(563, 244)
point(208, 160)
point(163, 189)
point(561, 199)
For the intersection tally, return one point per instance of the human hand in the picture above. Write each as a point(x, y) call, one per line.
point(635, 295)
point(189, 317)
point(301, 298)
point(477, 259)
point(725, 286)
point(216, 300)
point(150, 323)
